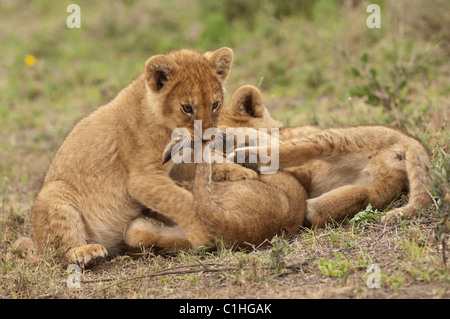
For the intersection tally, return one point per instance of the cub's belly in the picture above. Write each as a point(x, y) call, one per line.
point(106, 221)
point(330, 174)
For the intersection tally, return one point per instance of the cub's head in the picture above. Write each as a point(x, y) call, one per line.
point(186, 85)
point(247, 110)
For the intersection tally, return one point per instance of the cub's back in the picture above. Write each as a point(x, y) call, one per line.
point(259, 209)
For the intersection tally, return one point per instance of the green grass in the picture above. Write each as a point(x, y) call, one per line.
point(338, 267)
point(316, 63)
point(366, 216)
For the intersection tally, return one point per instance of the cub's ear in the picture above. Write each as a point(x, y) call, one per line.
point(175, 146)
point(158, 71)
point(167, 154)
point(221, 61)
point(247, 100)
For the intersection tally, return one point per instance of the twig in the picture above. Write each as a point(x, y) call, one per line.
point(85, 281)
point(163, 273)
point(201, 264)
point(444, 258)
point(293, 267)
point(89, 281)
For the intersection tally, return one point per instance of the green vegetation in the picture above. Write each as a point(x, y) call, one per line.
point(366, 216)
point(316, 63)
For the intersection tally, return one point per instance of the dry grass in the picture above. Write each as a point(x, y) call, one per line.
point(326, 263)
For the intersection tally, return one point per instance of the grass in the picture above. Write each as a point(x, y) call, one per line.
point(316, 63)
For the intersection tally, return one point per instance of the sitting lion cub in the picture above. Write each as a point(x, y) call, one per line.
point(343, 169)
point(109, 167)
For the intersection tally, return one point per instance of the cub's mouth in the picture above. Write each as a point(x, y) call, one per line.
point(193, 144)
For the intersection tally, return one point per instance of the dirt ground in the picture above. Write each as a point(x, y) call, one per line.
point(365, 261)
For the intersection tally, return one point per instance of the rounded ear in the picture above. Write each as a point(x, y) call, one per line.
point(221, 61)
point(175, 146)
point(172, 146)
point(247, 100)
point(167, 153)
point(158, 70)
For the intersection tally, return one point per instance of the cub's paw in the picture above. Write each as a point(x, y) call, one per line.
point(86, 255)
point(219, 172)
point(232, 172)
point(313, 219)
point(138, 233)
point(397, 215)
point(241, 173)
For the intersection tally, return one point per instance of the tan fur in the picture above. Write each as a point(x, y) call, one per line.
point(240, 210)
point(344, 169)
point(250, 211)
point(109, 167)
point(237, 213)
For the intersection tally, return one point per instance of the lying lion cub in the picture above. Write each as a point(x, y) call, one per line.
point(237, 213)
point(343, 169)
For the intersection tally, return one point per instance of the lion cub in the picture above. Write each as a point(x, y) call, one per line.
point(109, 167)
point(242, 210)
point(250, 211)
point(343, 169)
point(238, 213)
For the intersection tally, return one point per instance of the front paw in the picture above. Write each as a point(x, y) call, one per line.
point(86, 255)
point(219, 172)
point(232, 172)
point(241, 173)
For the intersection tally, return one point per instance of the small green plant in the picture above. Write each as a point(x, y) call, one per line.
point(341, 237)
point(393, 281)
point(386, 92)
point(366, 216)
point(336, 267)
point(280, 248)
point(419, 262)
point(340, 267)
point(250, 268)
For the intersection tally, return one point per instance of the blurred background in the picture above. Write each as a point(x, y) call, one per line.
point(316, 62)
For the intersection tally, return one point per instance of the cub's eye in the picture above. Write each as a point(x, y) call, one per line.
point(215, 106)
point(187, 109)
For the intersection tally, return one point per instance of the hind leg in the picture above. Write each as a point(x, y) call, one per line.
point(56, 218)
point(388, 190)
point(384, 192)
point(396, 215)
point(144, 233)
point(336, 204)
